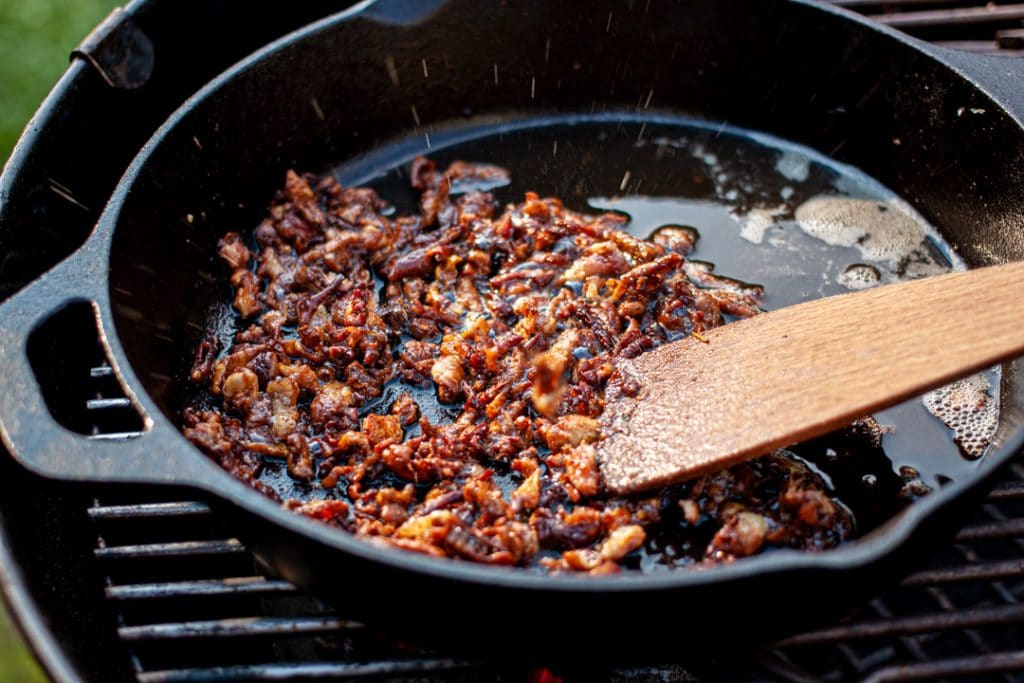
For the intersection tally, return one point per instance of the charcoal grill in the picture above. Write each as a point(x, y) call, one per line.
point(112, 585)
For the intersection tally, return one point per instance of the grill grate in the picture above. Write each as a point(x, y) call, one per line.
point(963, 615)
point(986, 27)
point(192, 605)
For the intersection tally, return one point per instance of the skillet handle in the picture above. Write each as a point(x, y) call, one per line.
point(156, 455)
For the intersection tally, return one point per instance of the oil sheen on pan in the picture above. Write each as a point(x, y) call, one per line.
point(422, 363)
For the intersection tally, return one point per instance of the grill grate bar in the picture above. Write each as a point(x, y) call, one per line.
point(1010, 39)
point(148, 510)
point(101, 371)
point(176, 549)
point(958, 667)
point(917, 632)
point(320, 671)
point(238, 627)
point(107, 403)
point(951, 17)
point(912, 645)
point(1011, 490)
point(243, 585)
point(1001, 529)
point(115, 436)
point(1000, 516)
point(965, 573)
point(942, 621)
point(970, 555)
point(971, 634)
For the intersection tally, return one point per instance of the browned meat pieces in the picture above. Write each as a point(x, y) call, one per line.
point(361, 331)
point(245, 282)
point(743, 534)
point(447, 374)
point(549, 373)
point(204, 358)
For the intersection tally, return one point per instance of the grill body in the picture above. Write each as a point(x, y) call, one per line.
point(151, 587)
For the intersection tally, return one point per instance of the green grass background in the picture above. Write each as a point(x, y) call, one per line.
point(36, 37)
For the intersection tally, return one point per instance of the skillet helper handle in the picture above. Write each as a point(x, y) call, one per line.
point(30, 432)
point(1002, 77)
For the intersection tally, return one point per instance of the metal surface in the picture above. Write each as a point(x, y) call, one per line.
point(52, 189)
point(961, 616)
point(146, 310)
point(953, 17)
point(142, 591)
point(877, 643)
point(986, 28)
point(119, 51)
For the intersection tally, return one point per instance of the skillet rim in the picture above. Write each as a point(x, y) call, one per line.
point(873, 548)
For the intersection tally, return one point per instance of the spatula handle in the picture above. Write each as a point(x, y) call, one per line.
point(799, 372)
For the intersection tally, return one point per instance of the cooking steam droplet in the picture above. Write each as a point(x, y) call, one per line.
point(859, 276)
point(970, 409)
point(389, 64)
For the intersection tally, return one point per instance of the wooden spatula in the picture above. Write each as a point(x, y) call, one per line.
point(800, 372)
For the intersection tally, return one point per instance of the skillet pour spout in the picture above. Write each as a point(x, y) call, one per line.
point(940, 129)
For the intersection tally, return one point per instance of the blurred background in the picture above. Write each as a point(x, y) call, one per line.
point(36, 37)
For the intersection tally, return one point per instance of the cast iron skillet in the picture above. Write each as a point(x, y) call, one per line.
point(346, 85)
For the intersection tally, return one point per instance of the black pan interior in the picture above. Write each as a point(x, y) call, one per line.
point(333, 99)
